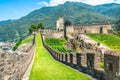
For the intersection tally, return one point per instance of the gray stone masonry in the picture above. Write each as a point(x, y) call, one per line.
point(112, 65)
point(13, 66)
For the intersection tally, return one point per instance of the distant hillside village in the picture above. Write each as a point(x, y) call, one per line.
point(72, 30)
point(6, 46)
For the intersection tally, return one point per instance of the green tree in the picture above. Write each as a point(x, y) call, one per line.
point(32, 28)
point(40, 26)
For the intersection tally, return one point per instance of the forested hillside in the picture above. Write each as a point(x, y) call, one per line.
point(76, 12)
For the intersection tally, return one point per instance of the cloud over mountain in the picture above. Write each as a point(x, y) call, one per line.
point(43, 3)
point(92, 2)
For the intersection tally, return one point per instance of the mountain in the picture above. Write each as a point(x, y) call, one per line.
point(4, 22)
point(76, 12)
point(110, 10)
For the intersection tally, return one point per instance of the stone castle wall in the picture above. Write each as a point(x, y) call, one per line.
point(85, 62)
point(83, 29)
point(89, 61)
point(14, 65)
point(75, 29)
point(52, 33)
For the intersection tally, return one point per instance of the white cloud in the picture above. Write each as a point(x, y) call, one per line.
point(43, 3)
point(97, 2)
point(56, 2)
point(92, 2)
point(117, 1)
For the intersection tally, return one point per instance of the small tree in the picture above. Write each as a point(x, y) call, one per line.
point(32, 28)
point(40, 26)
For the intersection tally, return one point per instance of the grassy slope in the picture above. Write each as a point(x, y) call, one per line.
point(112, 41)
point(26, 40)
point(57, 44)
point(46, 68)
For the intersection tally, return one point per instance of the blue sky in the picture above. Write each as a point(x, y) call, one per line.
point(14, 9)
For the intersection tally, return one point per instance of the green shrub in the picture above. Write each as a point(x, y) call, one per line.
point(17, 45)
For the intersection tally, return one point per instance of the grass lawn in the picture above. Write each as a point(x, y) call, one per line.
point(112, 41)
point(26, 40)
point(57, 44)
point(46, 68)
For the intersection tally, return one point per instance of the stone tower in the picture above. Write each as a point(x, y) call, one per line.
point(60, 24)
